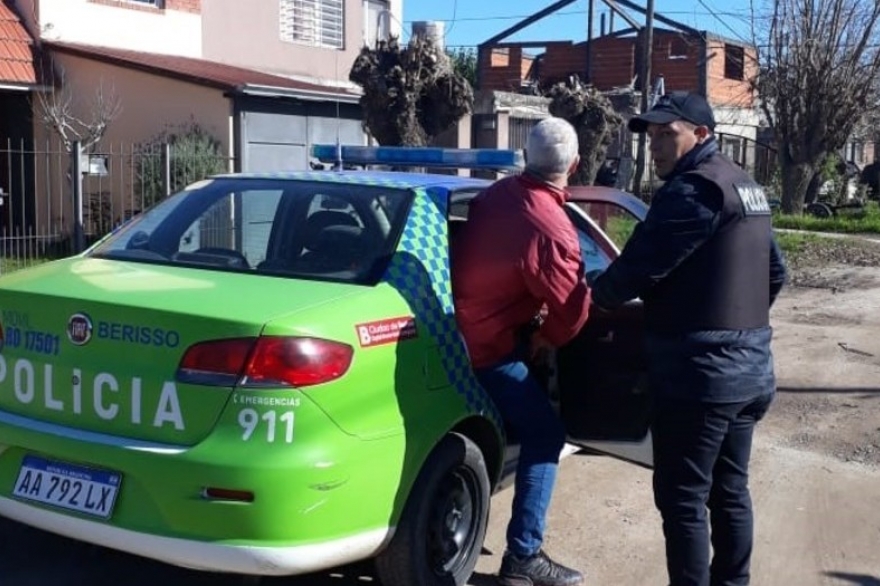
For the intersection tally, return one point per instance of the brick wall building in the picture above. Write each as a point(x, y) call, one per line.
point(717, 67)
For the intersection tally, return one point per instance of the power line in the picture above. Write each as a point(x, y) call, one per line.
point(452, 23)
point(736, 33)
point(743, 15)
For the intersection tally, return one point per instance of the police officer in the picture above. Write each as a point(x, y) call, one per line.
point(708, 269)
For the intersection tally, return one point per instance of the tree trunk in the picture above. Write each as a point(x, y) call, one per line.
point(813, 188)
point(795, 182)
point(593, 147)
point(594, 119)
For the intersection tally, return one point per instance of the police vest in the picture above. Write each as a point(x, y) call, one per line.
point(725, 283)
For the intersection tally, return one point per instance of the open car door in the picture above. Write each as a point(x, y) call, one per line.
point(601, 375)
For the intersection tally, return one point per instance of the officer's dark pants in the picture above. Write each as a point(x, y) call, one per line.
point(701, 459)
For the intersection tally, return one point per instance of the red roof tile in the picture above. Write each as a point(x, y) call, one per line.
point(17, 51)
point(199, 71)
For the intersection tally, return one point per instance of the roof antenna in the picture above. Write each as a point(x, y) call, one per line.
point(338, 163)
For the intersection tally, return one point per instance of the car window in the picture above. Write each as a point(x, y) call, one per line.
point(460, 203)
point(237, 224)
point(596, 252)
point(286, 227)
point(594, 256)
point(617, 223)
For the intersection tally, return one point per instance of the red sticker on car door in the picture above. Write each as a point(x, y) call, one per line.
point(386, 331)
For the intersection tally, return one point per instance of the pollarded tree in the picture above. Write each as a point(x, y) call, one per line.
point(593, 117)
point(412, 92)
point(818, 65)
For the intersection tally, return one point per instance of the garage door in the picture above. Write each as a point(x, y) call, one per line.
point(278, 141)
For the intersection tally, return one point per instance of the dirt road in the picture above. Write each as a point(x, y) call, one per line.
point(816, 464)
point(815, 477)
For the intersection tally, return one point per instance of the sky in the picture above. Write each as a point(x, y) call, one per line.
point(468, 23)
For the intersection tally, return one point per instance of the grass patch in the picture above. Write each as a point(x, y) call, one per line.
point(620, 228)
point(847, 221)
point(793, 244)
point(812, 250)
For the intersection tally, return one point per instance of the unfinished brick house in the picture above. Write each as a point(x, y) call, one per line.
point(682, 59)
point(719, 68)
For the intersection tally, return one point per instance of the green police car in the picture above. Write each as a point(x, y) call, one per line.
point(262, 375)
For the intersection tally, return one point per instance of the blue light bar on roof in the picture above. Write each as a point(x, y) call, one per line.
point(489, 159)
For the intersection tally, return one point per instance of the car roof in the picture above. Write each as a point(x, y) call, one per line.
point(399, 179)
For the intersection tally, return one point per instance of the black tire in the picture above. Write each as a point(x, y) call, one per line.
point(440, 534)
point(820, 210)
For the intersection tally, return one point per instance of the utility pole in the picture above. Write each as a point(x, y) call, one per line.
point(590, 14)
point(645, 86)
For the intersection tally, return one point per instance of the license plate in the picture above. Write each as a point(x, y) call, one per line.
point(76, 488)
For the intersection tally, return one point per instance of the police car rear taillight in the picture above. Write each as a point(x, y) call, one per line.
point(267, 361)
point(297, 362)
point(215, 363)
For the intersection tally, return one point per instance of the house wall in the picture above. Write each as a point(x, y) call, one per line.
point(729, 92)
point(227, 41)
point(613, 62)
point(616, 63)
point(677, 58)
point(149, 102)
point(739, 121)
point(149, 105)
point(561, 60)
point(175, 30)
point(503, 69)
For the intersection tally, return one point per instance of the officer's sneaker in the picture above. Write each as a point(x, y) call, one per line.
point(537, 570)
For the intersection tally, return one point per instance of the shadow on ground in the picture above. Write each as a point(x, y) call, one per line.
point(29, 557)
point(857, 579)
point(829, 391)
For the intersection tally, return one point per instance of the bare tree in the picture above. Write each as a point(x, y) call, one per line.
point(412, 93)
point(58, 112)
point(593, 117)
point(818, 64)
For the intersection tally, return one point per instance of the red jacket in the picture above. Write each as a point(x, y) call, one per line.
point(517, 253)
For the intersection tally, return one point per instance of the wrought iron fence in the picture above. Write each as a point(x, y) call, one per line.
point(45, 212)
point(757, 158)
point(518, 132)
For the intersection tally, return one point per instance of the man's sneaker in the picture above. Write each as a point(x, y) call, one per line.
point(537, 570)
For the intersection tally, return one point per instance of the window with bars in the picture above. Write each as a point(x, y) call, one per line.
point(318, 23)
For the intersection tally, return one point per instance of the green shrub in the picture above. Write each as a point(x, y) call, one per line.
point(195, 154)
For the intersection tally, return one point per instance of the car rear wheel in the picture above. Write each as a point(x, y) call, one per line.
point(440, 533)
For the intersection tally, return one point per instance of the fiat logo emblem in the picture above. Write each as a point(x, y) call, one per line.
point(79, 329)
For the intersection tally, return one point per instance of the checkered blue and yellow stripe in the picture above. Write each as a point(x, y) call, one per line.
point(420, 271)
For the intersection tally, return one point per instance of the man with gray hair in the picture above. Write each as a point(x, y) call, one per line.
point(518, 283)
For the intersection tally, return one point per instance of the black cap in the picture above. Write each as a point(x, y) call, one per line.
point(674, 106)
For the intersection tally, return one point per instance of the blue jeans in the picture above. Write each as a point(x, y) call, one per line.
point(529, 416)
point(701, 459)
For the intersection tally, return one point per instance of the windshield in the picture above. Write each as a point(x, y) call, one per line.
point(281, 227)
